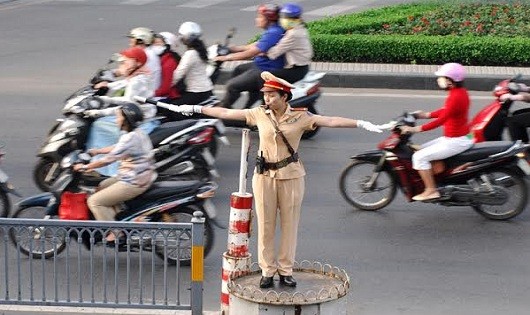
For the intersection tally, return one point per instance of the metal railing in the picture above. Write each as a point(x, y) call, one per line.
point(70, 263)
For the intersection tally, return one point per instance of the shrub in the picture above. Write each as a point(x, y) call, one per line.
point(428, 33)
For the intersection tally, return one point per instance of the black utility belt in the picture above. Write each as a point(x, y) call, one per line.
point(262, 166)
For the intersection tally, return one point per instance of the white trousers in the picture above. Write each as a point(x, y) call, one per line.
point(439, 149)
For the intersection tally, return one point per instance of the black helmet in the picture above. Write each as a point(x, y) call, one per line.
point(132, 114)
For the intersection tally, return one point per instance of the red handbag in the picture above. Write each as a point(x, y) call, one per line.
point(73, 206)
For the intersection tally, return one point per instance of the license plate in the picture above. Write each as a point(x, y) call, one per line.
point(3, 177)
point(523, 165)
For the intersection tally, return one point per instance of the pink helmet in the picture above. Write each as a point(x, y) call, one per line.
point(453, 71)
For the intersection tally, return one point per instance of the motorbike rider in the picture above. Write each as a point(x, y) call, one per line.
point(295, 45)
point(278, 181)
point(246, 77)
point(520, 119)
point(453, 116)
point(164, 45)
point(136, 172)
point(136, 81)
point(143, 37)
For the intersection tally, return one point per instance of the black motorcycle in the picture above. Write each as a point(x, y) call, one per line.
point(489, 177)
point(184, 148)
point(165, 201)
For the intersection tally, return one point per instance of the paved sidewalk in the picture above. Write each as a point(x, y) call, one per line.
point(64, 310)
point(397, 76)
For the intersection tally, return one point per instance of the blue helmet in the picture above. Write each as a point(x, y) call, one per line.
point(291, 10)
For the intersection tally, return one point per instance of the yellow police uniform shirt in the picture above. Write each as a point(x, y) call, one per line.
point(292, 124)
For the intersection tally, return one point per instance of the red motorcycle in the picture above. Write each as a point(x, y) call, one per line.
point(489, 123)
point(489, 177)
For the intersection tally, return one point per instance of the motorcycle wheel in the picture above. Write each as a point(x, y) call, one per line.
point(41, 171)
point(518, 195)
point(213, 146)
point(311, 133)
point(352, 186)
point(179, 242)
point(35, 241)
point(5, 205)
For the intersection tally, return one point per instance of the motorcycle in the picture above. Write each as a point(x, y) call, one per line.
point(165, 201)
point(305, 94)
point(489, 177)
point(184, 148)
point(489, 123)
point(5, 189)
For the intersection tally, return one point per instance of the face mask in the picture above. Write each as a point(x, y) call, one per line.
point(158, 49)
point(287, 24)
point(442, 83)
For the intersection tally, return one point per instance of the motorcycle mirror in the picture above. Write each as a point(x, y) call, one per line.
point(231, 32)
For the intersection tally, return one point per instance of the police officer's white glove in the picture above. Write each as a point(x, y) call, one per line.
point(93, 113)
point(189, 110)
point(368, 126)
point(387, 126)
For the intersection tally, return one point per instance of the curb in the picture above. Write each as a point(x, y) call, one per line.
point(409, 81)
point(395, 76)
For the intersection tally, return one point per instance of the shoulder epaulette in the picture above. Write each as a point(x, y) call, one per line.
point(299, 109)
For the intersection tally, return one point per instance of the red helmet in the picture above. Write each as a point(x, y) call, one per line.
point(135, 53)
point(270, 11)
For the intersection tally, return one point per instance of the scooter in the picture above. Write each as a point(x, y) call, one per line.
point(5, 189)
point(305, 94)
point(165, 201)
point(184, 148)
point(489, 177)
point(489, 123)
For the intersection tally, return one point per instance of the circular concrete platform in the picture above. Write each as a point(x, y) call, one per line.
point(316, 283)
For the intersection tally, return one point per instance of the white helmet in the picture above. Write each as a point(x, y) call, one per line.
point(190, 30)
point(144, 34)
point(170, 39)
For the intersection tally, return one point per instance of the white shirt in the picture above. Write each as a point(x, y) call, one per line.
point(153, 63)
point(192, 69)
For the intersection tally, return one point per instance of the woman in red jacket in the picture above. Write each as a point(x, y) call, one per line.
point(164, 45)
point(453, 116)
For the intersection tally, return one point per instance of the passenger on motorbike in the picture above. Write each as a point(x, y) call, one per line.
point(246, 77)
point(136, 81)
point(520, 119)
point(136, 172)
point(143, 37)
point(164, 46)
point(295, 45)
point(453, 116)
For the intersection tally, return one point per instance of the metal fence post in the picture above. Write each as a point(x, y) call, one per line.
point(197, 262)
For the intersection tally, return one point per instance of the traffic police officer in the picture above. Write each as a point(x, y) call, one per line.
point(278, 182)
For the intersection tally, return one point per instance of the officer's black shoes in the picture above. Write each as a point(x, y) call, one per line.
point(288, 281)
point(266, 282)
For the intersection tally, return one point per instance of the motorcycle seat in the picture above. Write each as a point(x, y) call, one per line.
point(167, 129)
point(479, 151)
point(161, 190)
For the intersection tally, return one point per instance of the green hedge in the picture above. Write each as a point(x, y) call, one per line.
point(345, 39)
point(467, 50)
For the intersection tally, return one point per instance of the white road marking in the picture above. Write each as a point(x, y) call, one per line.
point(201, 3)
point(137, 2)
point(332, 10)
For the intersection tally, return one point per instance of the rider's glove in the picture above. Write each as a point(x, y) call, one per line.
point(93, 113)
point(387, 126)
point(368, 126)
point(511, 97)
point(188, 110)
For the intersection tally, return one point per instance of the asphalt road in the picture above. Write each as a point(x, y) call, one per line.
point(404, 259)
